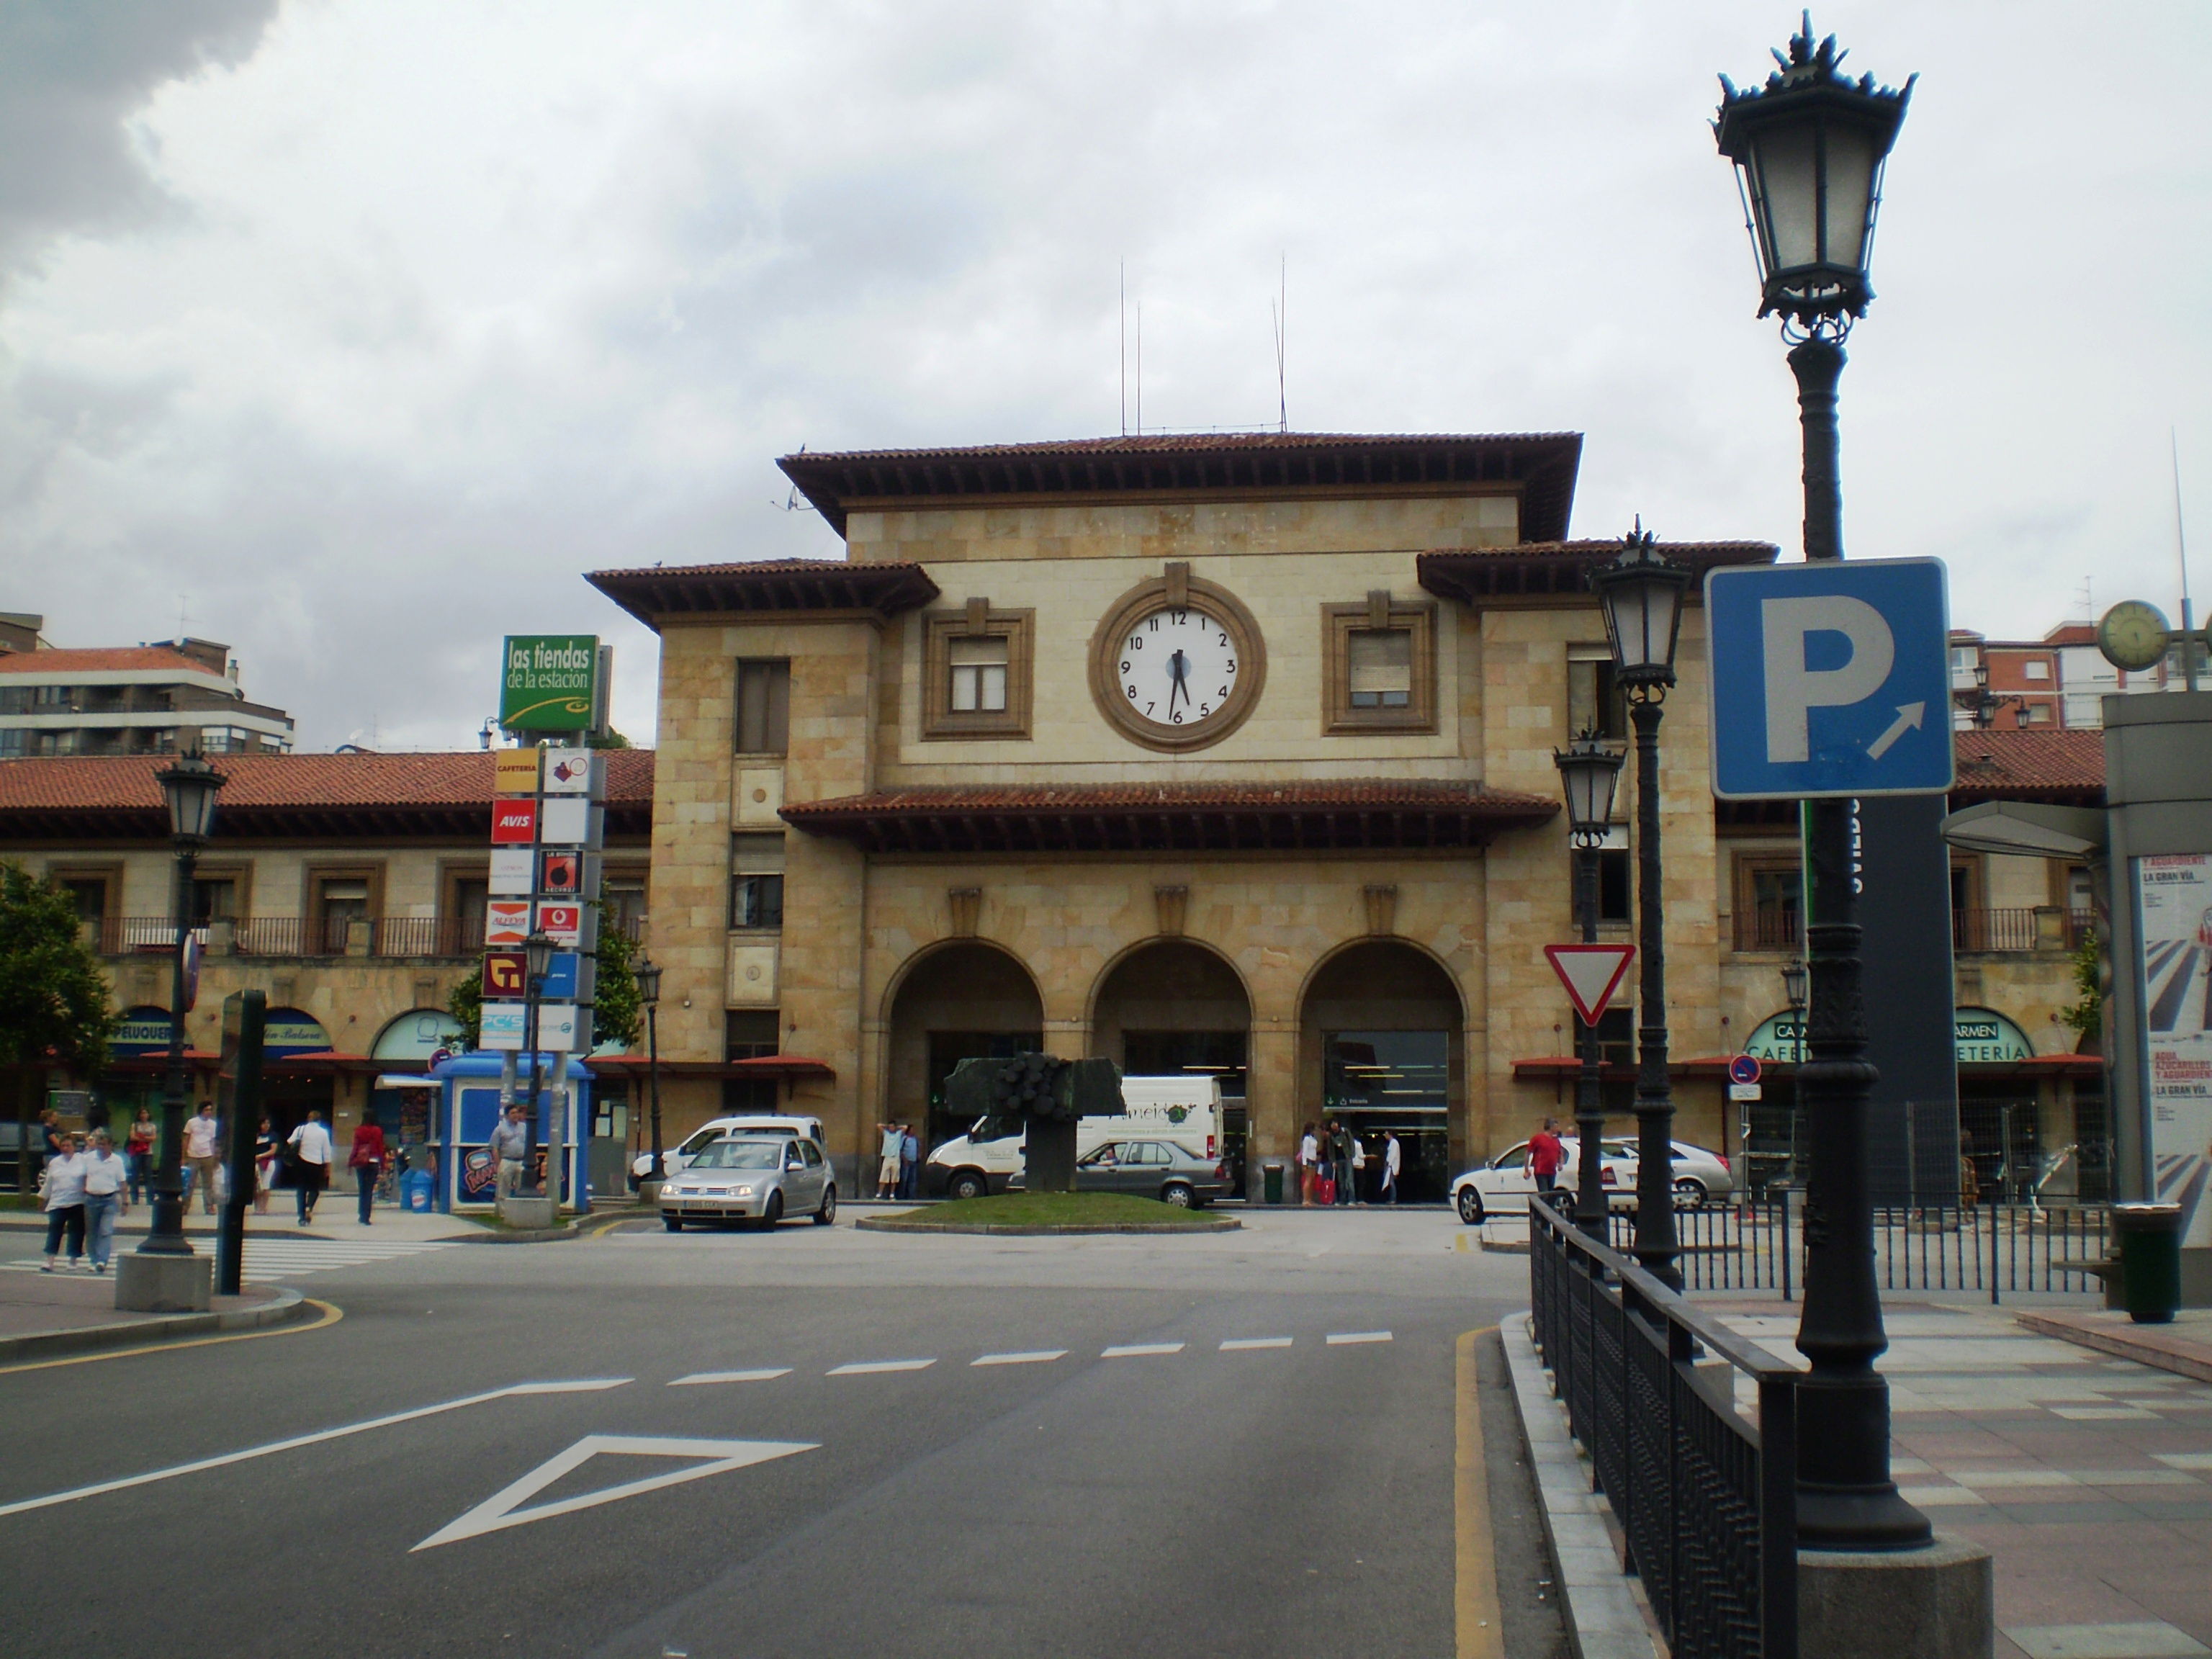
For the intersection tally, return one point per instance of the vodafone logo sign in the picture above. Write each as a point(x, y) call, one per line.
point(513, 822)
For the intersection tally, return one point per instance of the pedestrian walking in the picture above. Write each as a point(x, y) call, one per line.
point(1309, 1163)
point(1359, 1168)
point(138, 1156)
point(1545, 1155)
point(1393, 1158)
point(265, 1165)
point(310, 1165)
point(888, 1160)
point(909, 1163)
point(65, 1203)
point(510, 1145)
point(1339, 1157)
point(203, 1156)
point(107, 1196)
point(366, 1160)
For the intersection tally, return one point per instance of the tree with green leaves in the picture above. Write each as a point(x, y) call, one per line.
point(53, 998)
point(466, 1003)
point(2087, 1013)
point(617, 1013)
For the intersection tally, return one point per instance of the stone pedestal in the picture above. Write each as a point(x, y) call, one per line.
point(164, 1283)
point(527, 1212)
point(1933, 1603)
point(649, 1193)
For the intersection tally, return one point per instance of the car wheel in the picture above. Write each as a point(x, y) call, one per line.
point(673, 1223)
point(967, 1184)
point(827, 1215)
point(1689, 1195)
point(774, 1212)
point(1176, 1194)
point(1470, 1206)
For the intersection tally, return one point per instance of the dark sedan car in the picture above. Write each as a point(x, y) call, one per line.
point(1152, 1168)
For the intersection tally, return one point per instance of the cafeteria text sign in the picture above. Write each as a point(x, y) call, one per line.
point(549, 682)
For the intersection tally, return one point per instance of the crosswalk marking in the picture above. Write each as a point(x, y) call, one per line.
point(871, 1367)
point(272, 1260)
point(766, 1375)
point(1037, 1357)
point(1244, 1344)
point(1134, 1349)
point(1341, 1338)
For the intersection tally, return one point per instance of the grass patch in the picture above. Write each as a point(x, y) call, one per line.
point(1051, 1210)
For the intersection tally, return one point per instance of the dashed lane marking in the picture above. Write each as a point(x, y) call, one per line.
point(769, 1375)
point(1037, 1357)
point(1346, 1339)
point(1135, 1350)
point(871, 1367)
point(1245, 1344)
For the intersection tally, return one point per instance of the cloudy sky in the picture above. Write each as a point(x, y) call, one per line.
point(355, 328)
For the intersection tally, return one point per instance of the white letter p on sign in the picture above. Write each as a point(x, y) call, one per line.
point(1792, 689)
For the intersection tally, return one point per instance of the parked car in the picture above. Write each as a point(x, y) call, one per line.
point(1164, 1170)
point(759, 1178)
point(1503, 1185)
point(674, 1158)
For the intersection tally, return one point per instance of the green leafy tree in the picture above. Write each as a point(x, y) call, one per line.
point(618, 1015)
point(465, 1004)
point(608, 739)
point(53, 998)
point(2087, 1014)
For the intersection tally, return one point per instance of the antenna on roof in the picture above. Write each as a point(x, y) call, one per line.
point(182, 613)
point(1140, 369)
point(1125, 347)
point(2181, 552)
point(2089, 598)
point(1281, 307)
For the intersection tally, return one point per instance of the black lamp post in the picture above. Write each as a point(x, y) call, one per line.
point(1590, 772)
point(1810, 147)
point(1793, 993)
point(189, 785)
point(536, 957)
point(646, 972)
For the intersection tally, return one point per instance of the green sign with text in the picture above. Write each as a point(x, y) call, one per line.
point(549, 682)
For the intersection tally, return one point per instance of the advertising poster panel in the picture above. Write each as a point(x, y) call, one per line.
point(2174, 901)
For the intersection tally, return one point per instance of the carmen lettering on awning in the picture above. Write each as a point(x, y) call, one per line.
point(1984, 1036)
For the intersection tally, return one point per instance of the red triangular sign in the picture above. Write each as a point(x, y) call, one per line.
point(1591, 973)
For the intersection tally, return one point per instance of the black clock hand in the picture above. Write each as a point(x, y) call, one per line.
point(1177, 665)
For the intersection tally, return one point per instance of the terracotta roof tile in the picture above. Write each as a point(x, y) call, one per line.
point(102, 660)
point(777, 587)
point(2030, 765)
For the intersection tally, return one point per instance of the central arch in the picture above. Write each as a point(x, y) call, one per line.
point(1174, 1006)
point(1382, 1049)
point(967, 1000)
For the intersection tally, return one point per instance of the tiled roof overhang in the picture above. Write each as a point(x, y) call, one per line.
point(772, 587)
point(2060, 767)
point(1543, 464)
point(1548, 569)
point(1311, 816)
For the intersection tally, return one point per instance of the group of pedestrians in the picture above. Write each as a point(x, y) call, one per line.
point(898, 1164)
point(1334, 1166)
point(86, 1189)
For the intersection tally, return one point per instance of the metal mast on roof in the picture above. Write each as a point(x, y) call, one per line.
point(2181, 552)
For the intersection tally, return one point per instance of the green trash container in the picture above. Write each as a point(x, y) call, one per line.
point(2148, 1237)
point(1271, 1180)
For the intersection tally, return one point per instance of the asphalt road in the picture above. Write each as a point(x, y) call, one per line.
point(1294, 1492)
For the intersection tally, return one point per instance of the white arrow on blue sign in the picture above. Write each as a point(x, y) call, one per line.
point(1830, 679)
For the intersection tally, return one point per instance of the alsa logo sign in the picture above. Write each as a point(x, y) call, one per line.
point(514, 822)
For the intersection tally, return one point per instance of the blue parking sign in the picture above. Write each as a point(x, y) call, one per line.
point(1830, 679)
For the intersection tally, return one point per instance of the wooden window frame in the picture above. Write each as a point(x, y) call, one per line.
point(1377, 613)
point(1749, 864)
point(977, 621)
point(110, 876)
point(311, 915)
point(737, 700)
point(239, 875)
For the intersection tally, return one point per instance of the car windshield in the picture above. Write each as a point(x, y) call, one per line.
point(739, 1155)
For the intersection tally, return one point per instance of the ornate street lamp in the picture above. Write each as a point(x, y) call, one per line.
point(1793, 993)
point(646, 972)
point(1810, 147)
point(537, 959)
point(1591, 771)
point(1642, 592)
point(189, 785)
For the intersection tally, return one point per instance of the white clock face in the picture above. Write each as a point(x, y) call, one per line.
point(1178, 667)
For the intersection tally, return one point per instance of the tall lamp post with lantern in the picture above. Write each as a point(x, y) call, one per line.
point(538, 959)
point(1590, 772)
point(1809, 146)
point(1793, 993)
point(189, 787)
point(1641, 592)
point(646, 972)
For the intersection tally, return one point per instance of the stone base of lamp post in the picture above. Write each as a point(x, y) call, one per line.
point(148, 1283)
point(518, 1210)
point(1936, 1602)
point(648, 1191)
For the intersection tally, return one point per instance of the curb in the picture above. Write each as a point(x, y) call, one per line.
point(286, 1307)
point(1604, 1607)
point(576, 1229)
point(2120, 1342)
point(1044, 1230)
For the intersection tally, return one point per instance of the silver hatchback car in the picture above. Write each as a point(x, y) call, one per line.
point(759, 1178)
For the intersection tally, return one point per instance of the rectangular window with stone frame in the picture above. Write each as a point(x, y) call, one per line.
point(756, 882)
point(1594, 702)
point(1379, 665)
point(976, 672)
point(763, 706)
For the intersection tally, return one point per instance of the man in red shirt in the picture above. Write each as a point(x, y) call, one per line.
point(1545, 1155)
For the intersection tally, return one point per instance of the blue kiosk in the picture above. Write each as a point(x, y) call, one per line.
point(468, 1106)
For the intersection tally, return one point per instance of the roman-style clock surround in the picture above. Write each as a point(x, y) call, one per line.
point(1176, 591)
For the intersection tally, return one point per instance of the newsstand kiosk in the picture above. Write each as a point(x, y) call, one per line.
point(469, 1107)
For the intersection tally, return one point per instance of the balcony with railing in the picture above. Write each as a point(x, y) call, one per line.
point(1973, 932)
point(452, 937)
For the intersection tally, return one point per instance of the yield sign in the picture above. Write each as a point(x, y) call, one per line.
point(1591, 974)
point(503, 1508)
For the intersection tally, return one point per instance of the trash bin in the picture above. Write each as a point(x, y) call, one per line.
point(1271, 1179)
point(2148, 1237)
point(418, 1190)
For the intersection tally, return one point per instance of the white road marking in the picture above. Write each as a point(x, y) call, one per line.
point(766, 1375)
point(1036, 1357)
point(1341, 1339)
point(579, 1386)
point(1135, 1349)
point(1241, 1344)
point(499, 1511)
point(871, 1367)
point(273, 1261)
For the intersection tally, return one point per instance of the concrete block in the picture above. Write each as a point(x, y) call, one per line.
point(518, 1211)
point(164, 1283)
point(1933, 1603)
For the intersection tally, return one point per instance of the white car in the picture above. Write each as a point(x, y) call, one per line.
point(673, 1160)
point(1502, 1186)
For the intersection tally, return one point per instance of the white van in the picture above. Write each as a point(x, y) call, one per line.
point(674, 1158)
point(1184, 1109)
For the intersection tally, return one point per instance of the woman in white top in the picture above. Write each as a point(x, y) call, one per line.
point(1309, 1159)
point(65, 1203)
point(106, 1195)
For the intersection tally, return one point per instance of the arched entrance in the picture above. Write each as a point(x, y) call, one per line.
point(964, 1002)
point(1171, 1008)
point(1381, 1049)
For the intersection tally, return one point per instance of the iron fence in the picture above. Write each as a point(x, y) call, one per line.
point(1705, 1495)
point(2024, 1249)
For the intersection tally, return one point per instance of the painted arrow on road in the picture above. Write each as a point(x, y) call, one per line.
point(1908, 716)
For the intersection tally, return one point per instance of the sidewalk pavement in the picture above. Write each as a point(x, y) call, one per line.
point(2087, 1476)
point(2184, 1347)
point(334, 1219)
point(44, 1314)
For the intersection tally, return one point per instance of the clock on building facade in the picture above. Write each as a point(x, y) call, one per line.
point(1177, 664)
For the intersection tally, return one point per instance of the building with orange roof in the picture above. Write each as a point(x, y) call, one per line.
point(156, 699)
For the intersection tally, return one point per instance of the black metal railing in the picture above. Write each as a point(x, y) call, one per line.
point(1705, 1493)
point(2023, 1248)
